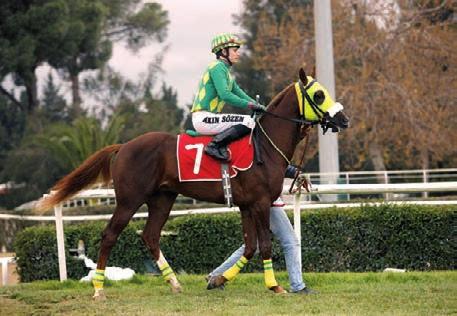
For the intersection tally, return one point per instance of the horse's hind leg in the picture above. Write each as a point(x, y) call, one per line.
point(159, 207)
point(117, 223)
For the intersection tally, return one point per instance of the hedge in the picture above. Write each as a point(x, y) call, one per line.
point(355, 239)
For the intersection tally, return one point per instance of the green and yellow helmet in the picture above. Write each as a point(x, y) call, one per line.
point(224, 40)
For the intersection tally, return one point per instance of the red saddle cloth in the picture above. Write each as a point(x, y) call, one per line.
point(195, 165)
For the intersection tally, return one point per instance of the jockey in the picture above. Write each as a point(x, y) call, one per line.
point(216, 88)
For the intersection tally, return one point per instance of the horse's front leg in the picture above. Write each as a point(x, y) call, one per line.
point(250, 242)
point(261, 217)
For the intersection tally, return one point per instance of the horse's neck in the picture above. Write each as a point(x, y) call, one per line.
point(284, 134)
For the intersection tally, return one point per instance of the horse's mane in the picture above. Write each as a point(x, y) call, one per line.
point(279, 96)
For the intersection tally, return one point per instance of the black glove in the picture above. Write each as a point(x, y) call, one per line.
point(257, 107)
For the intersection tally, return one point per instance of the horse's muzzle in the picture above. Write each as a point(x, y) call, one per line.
point(340, 120)
point(336, 123)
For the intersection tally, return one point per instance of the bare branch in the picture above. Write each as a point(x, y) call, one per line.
point(12, 98)
point(118, 32)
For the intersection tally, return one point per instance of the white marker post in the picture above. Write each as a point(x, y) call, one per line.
point(297, 220)
point(60, 242)
point(4, 261)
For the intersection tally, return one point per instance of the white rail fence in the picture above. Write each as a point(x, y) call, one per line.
point(400, 182)
point(387, 176)
point(298, 205)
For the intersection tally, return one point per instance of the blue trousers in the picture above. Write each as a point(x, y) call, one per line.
point(282, 229)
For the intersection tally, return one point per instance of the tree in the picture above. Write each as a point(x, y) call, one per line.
point(33, 167)
point(384, 76)
point(71, 145)
point(95, 25)
point(142, 109)
point(12, 127)
point(72, 36)
point(82, 47)
point(152, 113)
point(53, 105)
point(29, 32)
point(253, 19)
point(135, 22)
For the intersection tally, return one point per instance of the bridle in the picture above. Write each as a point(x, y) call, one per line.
point(303, 123)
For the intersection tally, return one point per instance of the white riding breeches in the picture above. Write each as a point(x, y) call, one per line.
point(207, 123)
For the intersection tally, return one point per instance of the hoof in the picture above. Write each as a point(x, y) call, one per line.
point(175, 286)
point(216, 282)
point(99, 295)
point(278, 289)
point(176, 289)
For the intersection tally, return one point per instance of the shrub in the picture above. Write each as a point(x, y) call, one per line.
point(369, 238)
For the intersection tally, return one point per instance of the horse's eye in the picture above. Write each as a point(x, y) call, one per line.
point(319, 97)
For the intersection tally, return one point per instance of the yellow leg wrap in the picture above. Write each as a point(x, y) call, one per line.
point(232, 272)
point(98, 279)
point(167, 272)
point(270, 280)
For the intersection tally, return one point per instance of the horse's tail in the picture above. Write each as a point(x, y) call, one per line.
point(99, 164)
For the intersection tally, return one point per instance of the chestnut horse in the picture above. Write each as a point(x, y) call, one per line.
point(144, 170)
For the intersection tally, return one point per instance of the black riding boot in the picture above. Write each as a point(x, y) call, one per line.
point(217, 148)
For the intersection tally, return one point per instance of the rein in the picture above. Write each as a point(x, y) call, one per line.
point(304, 183)
point(271, 142)
point(293, 120)
point(304, 123)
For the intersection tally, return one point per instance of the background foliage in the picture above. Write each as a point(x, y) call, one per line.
point(397, 82)
point(359, 239)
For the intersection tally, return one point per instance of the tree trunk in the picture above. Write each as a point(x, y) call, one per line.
point(76, 95)
point(31, 92)
point(425, 158)
point(425, 161)
point(12, 98)
point(376, 158)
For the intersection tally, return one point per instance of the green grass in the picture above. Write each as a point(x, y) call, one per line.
point(411, 293)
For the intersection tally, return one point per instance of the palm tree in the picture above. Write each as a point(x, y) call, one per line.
point(71, 144)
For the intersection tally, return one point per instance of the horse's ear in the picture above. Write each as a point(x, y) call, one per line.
point(302, 76)
point(313, 72)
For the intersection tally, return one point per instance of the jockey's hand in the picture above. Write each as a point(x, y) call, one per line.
point(257, 107)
